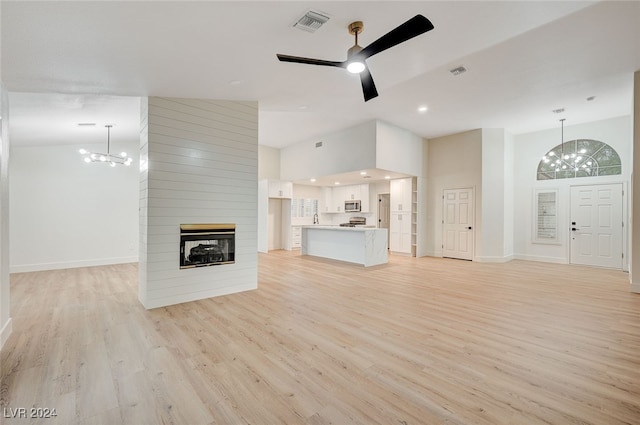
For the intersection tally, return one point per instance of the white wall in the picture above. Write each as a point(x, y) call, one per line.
point(202, 168)
point(509, 188)
point(491, 241)
point(344, 151)
point(5, 317)
point(453, 162)
point(634, 244)
point(67, 213)
point(268, 163)
point(528, 150)
point(399, 150)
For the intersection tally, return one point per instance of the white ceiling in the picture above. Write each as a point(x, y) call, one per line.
point(524, 59)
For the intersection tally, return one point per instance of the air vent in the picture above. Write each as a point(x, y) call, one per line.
point(558, 111)
point(459, 70)
point(311, 21)
point(318, 144)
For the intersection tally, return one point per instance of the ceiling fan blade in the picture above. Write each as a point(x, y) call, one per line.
point(368, 86)
point(309, 61)
point(412, 28)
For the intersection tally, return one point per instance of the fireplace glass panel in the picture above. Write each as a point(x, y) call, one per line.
point(206, 245)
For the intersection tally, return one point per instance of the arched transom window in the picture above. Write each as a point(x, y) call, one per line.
point(579, 158)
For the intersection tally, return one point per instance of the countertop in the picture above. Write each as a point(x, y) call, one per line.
point(347, 229)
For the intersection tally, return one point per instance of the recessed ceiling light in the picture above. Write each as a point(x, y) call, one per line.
point(363, 173)
point(313, 180)
point(337, 183)
point(235, 82)
point(387, 177)
point(303, 107)
point(423, 109)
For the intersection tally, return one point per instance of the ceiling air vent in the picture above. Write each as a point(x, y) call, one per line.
point(318, 144)
point(459, 70)
point(311, 21)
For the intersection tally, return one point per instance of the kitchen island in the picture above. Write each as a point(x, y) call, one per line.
point(361, 245)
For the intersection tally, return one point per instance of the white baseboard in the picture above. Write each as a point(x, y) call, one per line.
point(635, 288)
point(540, 258)
point(4, 334)
point(487, 259)
point(25, 268)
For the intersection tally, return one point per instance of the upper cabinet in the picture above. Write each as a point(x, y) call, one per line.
point(338, 196)
point(334, 197)
point(352, 193)
point(401, 195)
point(280, 189)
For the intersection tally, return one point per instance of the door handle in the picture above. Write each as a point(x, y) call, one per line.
point(573, 229)
point(469, 228)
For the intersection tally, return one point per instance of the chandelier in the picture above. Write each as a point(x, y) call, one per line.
point(573, 161)
point(107, 158)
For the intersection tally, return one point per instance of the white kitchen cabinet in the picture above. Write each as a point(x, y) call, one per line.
point(352, 193)
point(296, 237)
point(280, 189)
point(404, 218)
point(365, 198)
point(401, 195)
point(400, 238)
point(327, 200)
point(339, 195)
point(333, 198)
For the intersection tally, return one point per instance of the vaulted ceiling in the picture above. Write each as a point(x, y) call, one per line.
point(524, 59)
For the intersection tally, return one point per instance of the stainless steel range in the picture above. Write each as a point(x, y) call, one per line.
point(355, 221)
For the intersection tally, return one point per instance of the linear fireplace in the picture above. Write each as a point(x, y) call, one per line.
point(207, 244)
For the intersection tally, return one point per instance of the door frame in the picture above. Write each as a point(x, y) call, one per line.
point(473, 211)
point(625, 221)
point(388, 215)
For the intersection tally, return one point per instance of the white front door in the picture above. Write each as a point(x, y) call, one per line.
point(457, 223)
point(596, 225)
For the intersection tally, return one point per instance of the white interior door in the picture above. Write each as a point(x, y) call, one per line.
point(457, 223)
point(596, 225)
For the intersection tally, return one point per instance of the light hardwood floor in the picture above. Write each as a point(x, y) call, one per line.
point(417, 341)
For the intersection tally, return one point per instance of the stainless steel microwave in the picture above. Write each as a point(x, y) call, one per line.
point(352, 206)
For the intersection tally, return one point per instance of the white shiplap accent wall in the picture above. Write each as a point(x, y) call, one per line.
point(202, 168)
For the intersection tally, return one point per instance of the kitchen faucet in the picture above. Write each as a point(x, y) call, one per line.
point(315, 219)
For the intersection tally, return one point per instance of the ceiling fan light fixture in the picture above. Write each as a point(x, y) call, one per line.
point(355, 67)
point(404, 32)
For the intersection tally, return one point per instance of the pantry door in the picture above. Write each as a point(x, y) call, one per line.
point(457, 223)
point(596, 225)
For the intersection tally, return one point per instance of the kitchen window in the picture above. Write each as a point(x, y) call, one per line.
point(304, 207)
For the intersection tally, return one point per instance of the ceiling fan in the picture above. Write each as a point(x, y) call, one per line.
point(356, 55)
